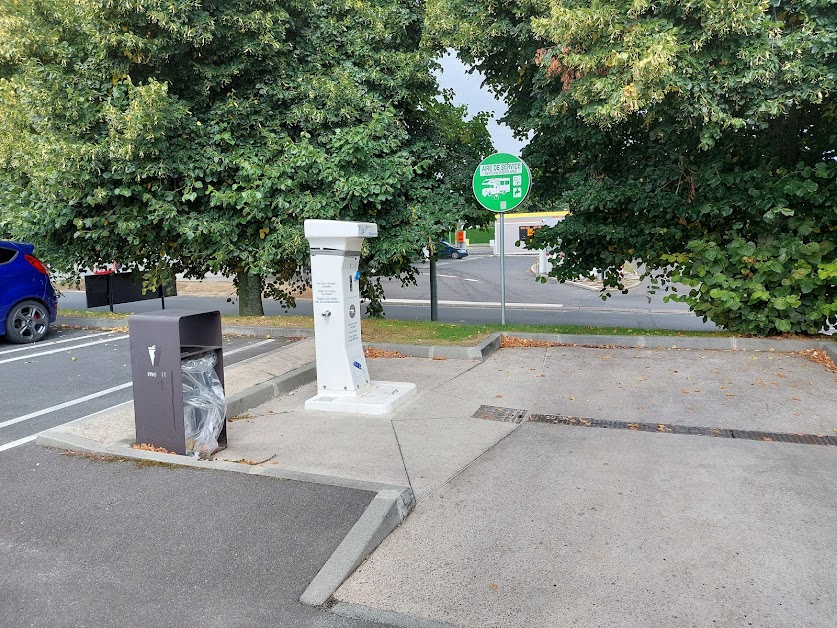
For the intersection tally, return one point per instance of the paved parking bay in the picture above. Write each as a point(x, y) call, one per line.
point(74, 373)
point(92, 543)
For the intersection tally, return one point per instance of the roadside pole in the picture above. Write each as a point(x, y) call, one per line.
point(501, 182)
point(502, 269)
point(434, 289)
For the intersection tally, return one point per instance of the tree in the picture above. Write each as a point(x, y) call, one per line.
point(450, 147)
point(697, 137)
point(199, 138)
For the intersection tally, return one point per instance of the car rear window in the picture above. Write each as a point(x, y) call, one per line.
point(6, 255)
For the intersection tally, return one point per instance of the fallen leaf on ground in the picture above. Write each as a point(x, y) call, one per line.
point(821, 358)
point(493, 586)
point(512, 342)
point(372, 352)
point(147, 447)
point(254, 462)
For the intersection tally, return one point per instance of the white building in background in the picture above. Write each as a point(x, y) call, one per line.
point(520, 227)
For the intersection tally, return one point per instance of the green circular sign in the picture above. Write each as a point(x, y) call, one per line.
point(501, 182)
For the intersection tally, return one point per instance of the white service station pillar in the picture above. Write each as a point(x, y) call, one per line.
point(343, 383)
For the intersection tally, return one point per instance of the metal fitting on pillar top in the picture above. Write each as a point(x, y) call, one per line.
point(336, 252)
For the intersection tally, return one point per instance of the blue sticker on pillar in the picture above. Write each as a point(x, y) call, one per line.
point(357, 275)
point(357, 365)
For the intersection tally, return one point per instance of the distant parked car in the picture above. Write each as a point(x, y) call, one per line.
point(444, 249)
point(28, 303)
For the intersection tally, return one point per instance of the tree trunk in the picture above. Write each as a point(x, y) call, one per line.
point(249, 294)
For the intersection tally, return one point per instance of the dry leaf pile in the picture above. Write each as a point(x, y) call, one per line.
point(513, 342)
point(147, 447)
point(820, 357)
point(372, 352)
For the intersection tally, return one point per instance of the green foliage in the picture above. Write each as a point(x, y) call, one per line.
point(678, 133)
point(198, 136)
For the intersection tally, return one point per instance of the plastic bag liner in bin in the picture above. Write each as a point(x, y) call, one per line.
point(204, 406)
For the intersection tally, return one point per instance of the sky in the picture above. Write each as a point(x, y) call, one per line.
point(469, 91)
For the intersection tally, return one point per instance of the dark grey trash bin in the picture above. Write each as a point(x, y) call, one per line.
point(159, 342)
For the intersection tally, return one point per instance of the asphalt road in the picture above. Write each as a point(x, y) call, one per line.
point(74, 373)
point(473, 283)
point(86, 542)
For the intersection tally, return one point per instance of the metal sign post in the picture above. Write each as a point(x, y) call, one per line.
point(502, 269)
point(501, 183)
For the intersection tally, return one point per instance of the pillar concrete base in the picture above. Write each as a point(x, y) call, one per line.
point(376, 398)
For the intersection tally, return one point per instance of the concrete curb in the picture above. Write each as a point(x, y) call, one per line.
point(721, 343)
point(388, 618)
point(477, 352)
point(272, 388)
point(386, 512)
point(632, 281)
point(53, 439)
point(97, 323)
point(276, 332)
point(831, 349)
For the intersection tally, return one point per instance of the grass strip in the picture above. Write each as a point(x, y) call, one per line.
point(426, 332)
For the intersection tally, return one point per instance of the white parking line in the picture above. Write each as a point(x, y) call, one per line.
point(18, 442)
point(66, 404)
point(31, 437)
point(102, 393)
point(531, 306)
point(458, 277)
point(85, 344)
point(252, 346)
point(49, 343)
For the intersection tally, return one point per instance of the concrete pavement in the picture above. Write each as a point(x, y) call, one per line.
point(585, 527)
point(518, 522)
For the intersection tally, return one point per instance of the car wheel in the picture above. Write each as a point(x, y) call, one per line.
point(28, 321)
point(454, 255)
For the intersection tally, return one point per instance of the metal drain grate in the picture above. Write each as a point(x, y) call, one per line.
point(692, 430)
point(496, 413)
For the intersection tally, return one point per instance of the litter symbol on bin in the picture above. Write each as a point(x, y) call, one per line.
point(152, 354)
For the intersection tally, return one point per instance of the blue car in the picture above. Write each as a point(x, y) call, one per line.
point(445, 249)
point(28, 302)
